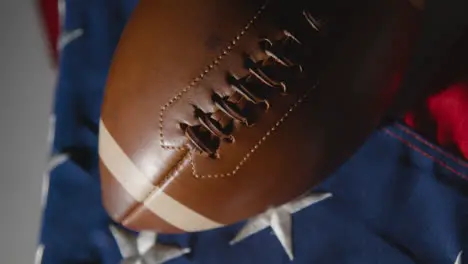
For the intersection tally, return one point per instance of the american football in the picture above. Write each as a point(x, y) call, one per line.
point(217, 110)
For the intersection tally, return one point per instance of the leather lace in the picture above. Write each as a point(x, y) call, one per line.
point(265, 77)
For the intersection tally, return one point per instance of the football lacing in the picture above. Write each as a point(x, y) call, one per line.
point(266, 77)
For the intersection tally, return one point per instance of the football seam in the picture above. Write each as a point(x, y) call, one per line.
point(132, 212)
point(136, 183)
point(181, 164)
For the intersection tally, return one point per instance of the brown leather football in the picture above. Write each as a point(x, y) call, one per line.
point(216, 110)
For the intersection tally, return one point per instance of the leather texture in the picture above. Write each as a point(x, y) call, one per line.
point(177, 61)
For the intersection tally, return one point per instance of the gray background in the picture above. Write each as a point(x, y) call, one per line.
point(26, 86)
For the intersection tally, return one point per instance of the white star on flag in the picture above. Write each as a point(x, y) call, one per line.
point(458, 261)
point(39, 254)
point(66, 37)
point(143, 249)
point(279, 219)
point(54, 162)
